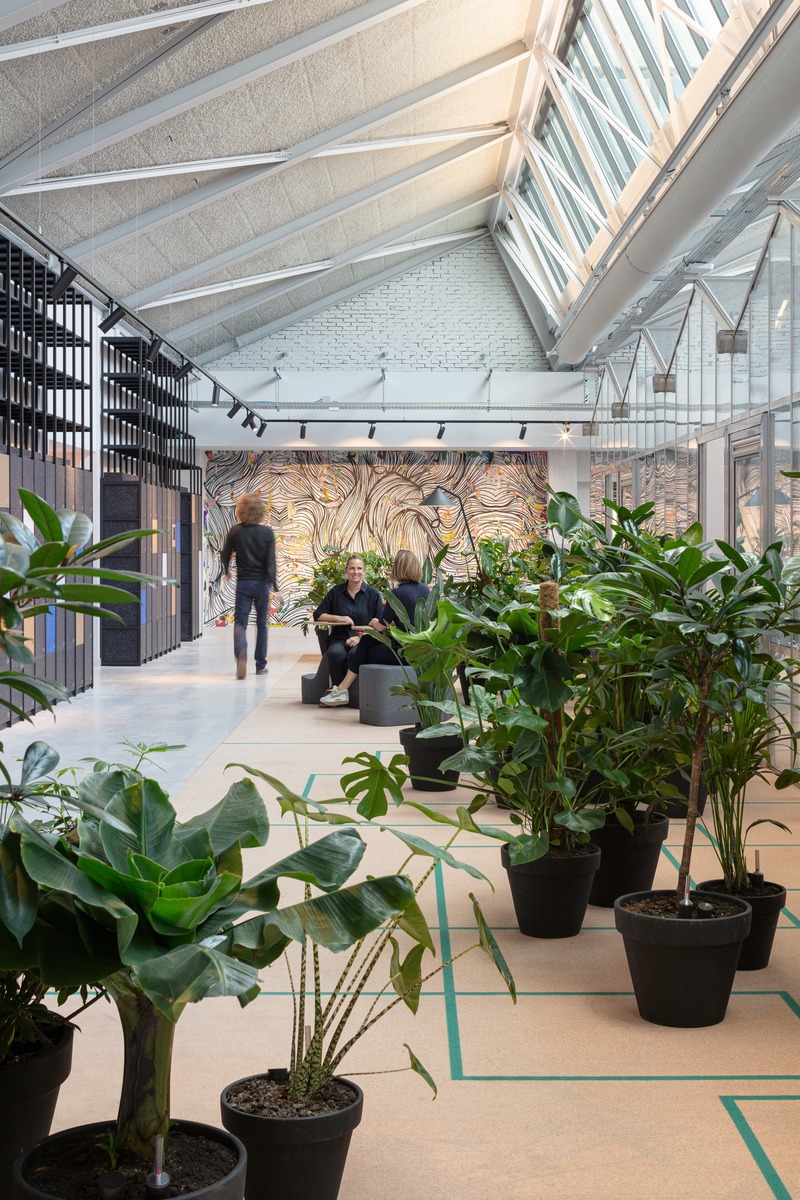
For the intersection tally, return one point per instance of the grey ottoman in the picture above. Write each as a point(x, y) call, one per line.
point(313, 687)
point(377, 705)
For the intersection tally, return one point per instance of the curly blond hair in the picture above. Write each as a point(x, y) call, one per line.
point(251, 509)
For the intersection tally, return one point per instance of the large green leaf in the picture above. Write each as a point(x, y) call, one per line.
point(406, 974)
point(76, 528)
point(377, 783)
point(491, 949)
point(184, 912)
point(25, 537)
point(326, 863)
point(338, 920)
point(418, 1069)
point(43, 516)
point(564, 513)
point(190, 973)
point(145, 809)
point(426, 849)
point(414, 924)
point(240, 818)
point(18, 893)
point(39, 760)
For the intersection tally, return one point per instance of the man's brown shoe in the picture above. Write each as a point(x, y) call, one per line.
point(241, 666)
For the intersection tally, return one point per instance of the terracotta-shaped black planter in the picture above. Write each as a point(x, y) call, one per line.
point(682, 971)
point(425, 758)
point(629, 860)
point(230, 1187)
point(757, 946)
point(294, 1158)
point(551, 894)
point(28, 1094)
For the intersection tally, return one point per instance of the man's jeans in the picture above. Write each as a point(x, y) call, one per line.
point(248, 593)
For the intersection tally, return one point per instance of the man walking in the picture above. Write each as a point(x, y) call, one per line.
point(253, 543)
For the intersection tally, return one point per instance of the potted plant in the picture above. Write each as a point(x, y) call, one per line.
point(158, 911)
point(297, 1119)
point(743, 751)
point(711, 615)
point(35, 563)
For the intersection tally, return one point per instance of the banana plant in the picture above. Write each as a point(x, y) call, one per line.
point(160, 913)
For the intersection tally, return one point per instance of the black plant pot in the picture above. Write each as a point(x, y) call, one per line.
point(757, 946)
point(675, 809)
point(294, 1158)
point(682, 971)
point(629, 860)
point(550, 895)
point(426, 755)
point(28, 1095)
point(230, 1187)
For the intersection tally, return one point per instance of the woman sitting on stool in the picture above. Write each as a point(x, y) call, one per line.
point(347, 604)
point(407, 573)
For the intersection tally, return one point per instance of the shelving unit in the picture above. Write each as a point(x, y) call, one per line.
point(46, 432)
point(149, 470)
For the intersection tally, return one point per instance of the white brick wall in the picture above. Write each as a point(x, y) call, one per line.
point(441, 316)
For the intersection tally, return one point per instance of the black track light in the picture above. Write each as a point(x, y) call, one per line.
point(113, 318)
point(66, 277)
point(152, 350)
point(371, 433)
point(302, 430)
point(250, 421)
point(185, 370)
point(215, 396)
point(440, 434)
point(236, 407)
point(262, 426)
point(523, 429)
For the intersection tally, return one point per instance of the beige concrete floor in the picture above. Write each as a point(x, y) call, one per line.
point(568, 1095)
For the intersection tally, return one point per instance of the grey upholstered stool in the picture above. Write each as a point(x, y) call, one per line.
point(378, 706)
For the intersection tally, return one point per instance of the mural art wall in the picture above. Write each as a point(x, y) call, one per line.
point(367, 500)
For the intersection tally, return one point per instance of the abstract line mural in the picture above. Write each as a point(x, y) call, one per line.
point(367, 500)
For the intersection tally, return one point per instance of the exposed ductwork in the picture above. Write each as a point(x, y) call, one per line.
point(763, 110)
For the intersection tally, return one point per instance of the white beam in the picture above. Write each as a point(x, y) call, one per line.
point(14, 12)
point(310, 310)
point(195, 198)
point(321, 266)
point(217, 315)
point(336, 208)
point(59, 182)
point(99, 33)
point(200, 91)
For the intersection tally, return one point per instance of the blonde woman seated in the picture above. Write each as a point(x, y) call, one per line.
point(407, 573)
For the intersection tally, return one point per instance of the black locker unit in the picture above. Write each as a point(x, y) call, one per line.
point(148, 454)
point(190, 542)
point(45, 431)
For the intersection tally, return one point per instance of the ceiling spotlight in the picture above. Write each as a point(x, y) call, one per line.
point(371, 433)
point(440, 434)
point(215, 397)
point(302, 430)
point(564, 433)
point(250, 421)
point(185, 370)
point(262, 426)
point(236, 407)
point(152, 350)
point(113, 318)
point(523, 429)
point(62, 283)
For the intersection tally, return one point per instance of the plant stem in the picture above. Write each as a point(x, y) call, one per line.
point(148, 1036)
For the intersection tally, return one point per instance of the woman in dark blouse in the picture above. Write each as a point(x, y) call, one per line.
point(407, 573)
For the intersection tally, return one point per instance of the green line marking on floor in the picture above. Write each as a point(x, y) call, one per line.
point(450, 1007)
point(748, 1136)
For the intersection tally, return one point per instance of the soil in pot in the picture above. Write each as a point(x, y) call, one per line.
point(766, 900)
point(629, 860)
point(550, 895)
point(295, 1150)
point(68, 1165)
